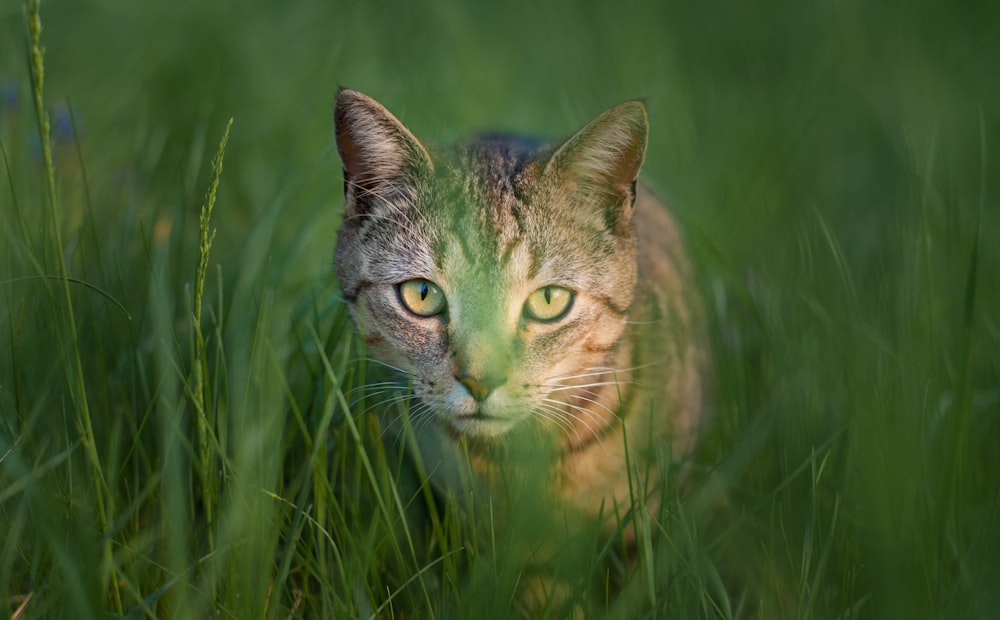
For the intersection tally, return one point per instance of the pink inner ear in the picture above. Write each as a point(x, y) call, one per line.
point(368, 145)
point(348, 148)
point(373, 144)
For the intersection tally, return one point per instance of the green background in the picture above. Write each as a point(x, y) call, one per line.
point(833, 164)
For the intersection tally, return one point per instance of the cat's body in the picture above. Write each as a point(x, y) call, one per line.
point(525, 290)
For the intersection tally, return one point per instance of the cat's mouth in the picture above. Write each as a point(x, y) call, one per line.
point(479, 424)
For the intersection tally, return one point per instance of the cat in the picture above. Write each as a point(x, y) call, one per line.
point(526, 289)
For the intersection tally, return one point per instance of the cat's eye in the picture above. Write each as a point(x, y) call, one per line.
point(421, 297)
point(548, 303)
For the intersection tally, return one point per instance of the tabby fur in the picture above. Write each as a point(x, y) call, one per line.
point(489, 222)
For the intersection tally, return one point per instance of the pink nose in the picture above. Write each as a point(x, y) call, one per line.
point(479, 389)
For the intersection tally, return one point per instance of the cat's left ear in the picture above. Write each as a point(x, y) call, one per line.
point(602, 160)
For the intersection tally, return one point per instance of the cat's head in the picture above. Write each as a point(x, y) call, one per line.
point(496, 273)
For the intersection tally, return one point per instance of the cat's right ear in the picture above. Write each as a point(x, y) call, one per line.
point(602, 160)
point(379, 153)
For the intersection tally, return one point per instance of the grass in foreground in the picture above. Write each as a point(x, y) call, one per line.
point(850, 469)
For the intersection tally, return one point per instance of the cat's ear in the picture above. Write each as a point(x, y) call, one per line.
point(379, 153)
point(602, 160)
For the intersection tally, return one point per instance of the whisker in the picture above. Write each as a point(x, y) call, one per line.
point(384, 389)
point(612, 369)
point(559, 418)
point(387, 402)
point(375, 360)
point(596, 371)
point(598, 403)
point(421, 416)
point(375, 394)
point(583, 410)
point(411, 411)
point(588, 419)
point(561, 388)
point(569, 415)
point(368, 386)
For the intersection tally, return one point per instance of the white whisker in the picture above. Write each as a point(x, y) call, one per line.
point(561, 388)
point(594, 401)
point(559, 418)
point(422, 416)
point(587, 372)
point(387, 388)
point(375, 360)
point(375, 394)
point(594, 371)
point(567, 415)
point(387, 402)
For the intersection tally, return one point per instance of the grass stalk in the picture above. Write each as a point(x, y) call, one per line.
point(75, 376)
point(201, 393)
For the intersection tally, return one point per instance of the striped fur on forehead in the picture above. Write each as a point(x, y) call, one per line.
point(480, 193)
point(493, 197)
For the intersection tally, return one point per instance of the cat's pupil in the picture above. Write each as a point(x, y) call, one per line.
point(424, 289)
point(548, 295)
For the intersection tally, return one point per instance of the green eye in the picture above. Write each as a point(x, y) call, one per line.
point(421, 297)
point(548, 303)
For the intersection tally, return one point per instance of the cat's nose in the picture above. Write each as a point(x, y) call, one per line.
point(481, 387)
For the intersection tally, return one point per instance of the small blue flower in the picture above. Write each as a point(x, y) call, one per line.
point(11, 100)
point(62, 125)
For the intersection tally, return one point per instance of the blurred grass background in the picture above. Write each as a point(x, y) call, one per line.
point(833, 163)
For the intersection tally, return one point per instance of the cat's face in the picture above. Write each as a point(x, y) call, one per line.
point(497, 276)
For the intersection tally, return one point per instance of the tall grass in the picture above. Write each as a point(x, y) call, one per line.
point(183, 426)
